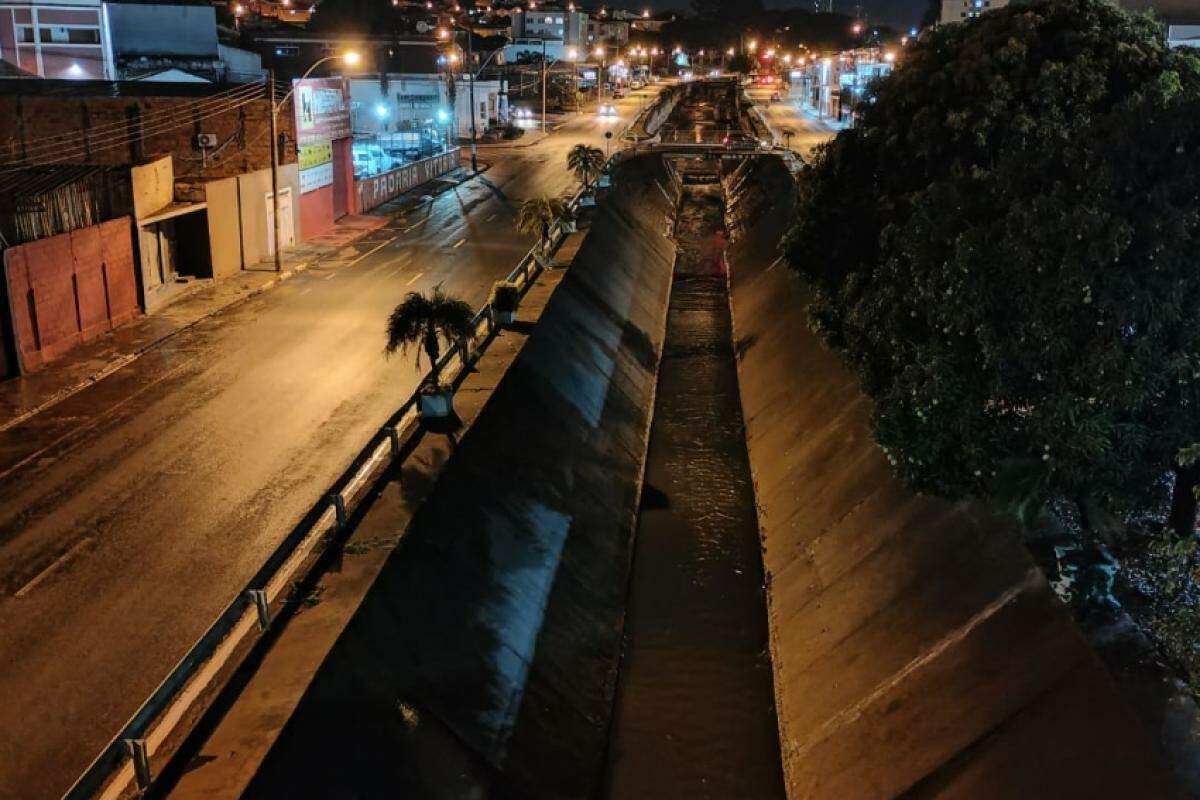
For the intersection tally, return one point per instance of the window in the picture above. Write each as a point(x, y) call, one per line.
point(285, 50)
point(61, 35)
point(25, 34)
point(558, 20)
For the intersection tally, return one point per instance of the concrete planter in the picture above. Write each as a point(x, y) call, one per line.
point(435, 403)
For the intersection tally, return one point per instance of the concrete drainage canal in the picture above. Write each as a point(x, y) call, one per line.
point(695, 714)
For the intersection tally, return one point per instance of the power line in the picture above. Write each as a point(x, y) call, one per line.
point(153, 117)
point(123, 141)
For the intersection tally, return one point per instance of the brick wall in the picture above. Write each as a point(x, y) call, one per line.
point(168, 127)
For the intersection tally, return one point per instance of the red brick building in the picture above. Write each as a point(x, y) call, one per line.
point(195, 161)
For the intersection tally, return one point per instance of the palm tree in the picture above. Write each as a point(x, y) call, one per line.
point(537, 214)
point(586, 162)
point(421, 319)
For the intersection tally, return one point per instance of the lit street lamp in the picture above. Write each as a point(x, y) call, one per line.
point(445, 34)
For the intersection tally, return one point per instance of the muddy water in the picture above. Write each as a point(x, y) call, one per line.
point(695, 713)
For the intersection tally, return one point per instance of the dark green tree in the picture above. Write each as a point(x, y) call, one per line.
point(741, 64)
point(1006, 250)
point(424, 320)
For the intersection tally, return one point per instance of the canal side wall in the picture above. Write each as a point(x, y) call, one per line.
point(917, 649)
point(583, 394)
point(482, 662)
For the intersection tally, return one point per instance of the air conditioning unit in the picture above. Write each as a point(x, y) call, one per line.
point(206, 141)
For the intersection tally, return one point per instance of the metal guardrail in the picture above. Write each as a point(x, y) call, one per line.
point(126, 758)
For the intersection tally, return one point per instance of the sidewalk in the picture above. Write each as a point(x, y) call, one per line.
point(24, 396)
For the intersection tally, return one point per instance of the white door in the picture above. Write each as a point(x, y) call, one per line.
point(287, 230)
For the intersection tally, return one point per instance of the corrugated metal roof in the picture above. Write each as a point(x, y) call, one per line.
point(18, 185)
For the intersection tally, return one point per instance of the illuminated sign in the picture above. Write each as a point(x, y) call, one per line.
point(322, 110)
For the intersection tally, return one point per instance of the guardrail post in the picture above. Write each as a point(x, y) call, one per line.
point(259, 598)
point(339, 508)
point(141, 762)
point(393, 437)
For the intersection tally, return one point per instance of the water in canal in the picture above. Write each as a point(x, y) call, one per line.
point(695, 715)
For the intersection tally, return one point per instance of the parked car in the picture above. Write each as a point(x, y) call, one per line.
point(364, 164)
point(618, 93)
point(607, 110)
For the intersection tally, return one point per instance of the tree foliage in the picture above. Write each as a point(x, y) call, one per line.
point(1006, 250)
point(586, 163)
point(536, 214)
point(421, 320)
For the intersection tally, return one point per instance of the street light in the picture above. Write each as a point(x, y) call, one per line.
point(599, 53)
point(350, 58)
point(573, 56)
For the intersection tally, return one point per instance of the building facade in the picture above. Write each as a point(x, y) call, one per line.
point(962, 10)
point(568, 27)
point(65, 39)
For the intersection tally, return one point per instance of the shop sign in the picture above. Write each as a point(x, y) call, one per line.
point(314, 155)
point(315, 178)
point(322, 110)
point(378, 189)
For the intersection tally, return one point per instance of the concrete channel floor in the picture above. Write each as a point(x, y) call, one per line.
point(695, 714)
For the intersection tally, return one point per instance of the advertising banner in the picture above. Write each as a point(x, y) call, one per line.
point(315, 178)
point(314, 155)
point(378, 189)
point(322, 110)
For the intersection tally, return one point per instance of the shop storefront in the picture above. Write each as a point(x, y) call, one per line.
point(325, 154)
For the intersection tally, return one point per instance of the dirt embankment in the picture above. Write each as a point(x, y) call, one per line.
point(917, 650)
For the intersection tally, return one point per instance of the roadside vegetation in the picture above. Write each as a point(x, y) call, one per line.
point(586, 163)
point(424, 320)
point(1007, 251)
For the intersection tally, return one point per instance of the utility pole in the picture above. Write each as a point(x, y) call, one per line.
point(274, 170)
point(544, 71)
point(471, 70)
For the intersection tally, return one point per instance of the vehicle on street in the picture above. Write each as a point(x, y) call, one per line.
point(607, 110)
point(364, 164)
point(618, 93)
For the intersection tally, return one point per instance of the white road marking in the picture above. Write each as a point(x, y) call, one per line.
point(330, 276)
point(459, 244)
point(305, 291)
point(372, 251)
point(58, 562)
point(413, 279)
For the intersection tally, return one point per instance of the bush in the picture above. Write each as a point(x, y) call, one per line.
point(511, 131)
point(506, 296)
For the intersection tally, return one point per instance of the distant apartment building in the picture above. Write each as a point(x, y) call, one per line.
point(59, 39)
point(87, 39)
point(568, 27)
point(609, 32)
point(962, 10)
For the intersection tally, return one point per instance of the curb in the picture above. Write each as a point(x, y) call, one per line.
point(122, 361)
point(125, 360)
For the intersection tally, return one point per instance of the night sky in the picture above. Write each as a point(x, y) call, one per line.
point(898, 13)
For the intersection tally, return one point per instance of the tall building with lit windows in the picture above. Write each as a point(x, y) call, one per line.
point(962, 10)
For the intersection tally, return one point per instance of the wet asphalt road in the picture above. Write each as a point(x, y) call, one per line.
point(160, 490)
point(785, 115)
